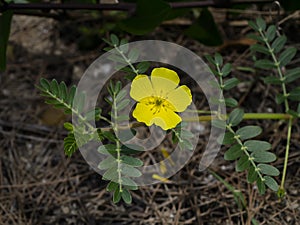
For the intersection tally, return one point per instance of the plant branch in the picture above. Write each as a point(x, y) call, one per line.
point(287, 149)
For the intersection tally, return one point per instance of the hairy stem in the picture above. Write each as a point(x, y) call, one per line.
point(118, 144)
point(244, 149)
point(287, 149)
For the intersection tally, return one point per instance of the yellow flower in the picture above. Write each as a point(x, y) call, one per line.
point(159, 98)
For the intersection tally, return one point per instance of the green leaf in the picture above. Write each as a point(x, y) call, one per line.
point(111, 174)
point(264, 64)
point(271, 32)
point(123, 104)
point(268, 170)
point(117, 196)
point(114, 40)
point(131, 149)
point(5, 23)
point(185, 144)
point(279, 98)
point(70, 145)
point(253, 25)
point(133, 55)
point(121, 95)
point(292, 75)
point(117, 58)
point(142, 67)
point(260, 48)
point(230, 83)
point(293, 113)
point(112, 186)
point(231, 102)
point(205, 30)
point(44, 84)
point(110, 136)
point(108, 149)
point(131, 161)
point(148, 15)
point(226, 69)
point(71, 95)
point(233, 152)
point(126, 196)
point(278, 43)
point(242, 164)
point(271, 183)
point(256, 37)
point(261, 24)
point(287, 55)
point(210, 59)
point(124, 46)
point(252, 175)
point(130, 171)
point(235, 117)
point(248, 132)
point(295, 94)
point(261, 186)
point(218, 123)
point(68, 126)
point(186, 134)
point(128, 182)
point(107, 163)
point(218, 59)
point(253, 145)
point(63, 92)
point(227, 139)
point(54, 87)
point(79, 101)
point(272, 80)
point(263, 156)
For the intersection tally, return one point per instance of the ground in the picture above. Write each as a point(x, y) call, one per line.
point(40, 185)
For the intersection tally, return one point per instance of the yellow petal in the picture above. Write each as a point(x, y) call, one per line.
point(164, 80)
point(180, 98)
point(165, 118)
point(143, 113)
point(141, 87)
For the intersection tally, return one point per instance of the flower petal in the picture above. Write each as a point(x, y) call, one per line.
point(141, 87)
point(164, 80)
point(166, 118)
point(180, 98)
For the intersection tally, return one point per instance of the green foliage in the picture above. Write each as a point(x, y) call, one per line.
point(148, 15)
point(182, 136)
point(205, 30)
point(125, 57)
point(277, 57)
point(58, 95)
point(250, 155)
point(221, 71)
point(119, 167)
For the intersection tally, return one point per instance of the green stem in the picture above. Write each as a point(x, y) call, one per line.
point(75, 111)
point(247, 116)
point(287, 149)
point(127, 60)
point(221, 87)
point(244, 148)
point(118, 145)
point(286, 104)
point(277, 64)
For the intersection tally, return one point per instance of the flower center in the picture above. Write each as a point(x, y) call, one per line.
point(157, 104)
